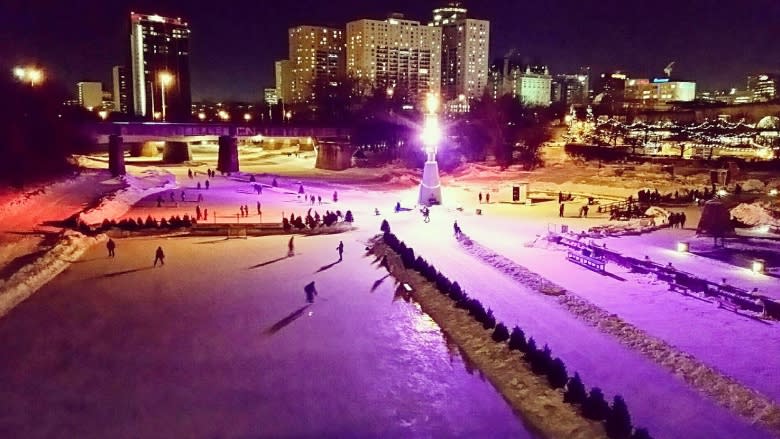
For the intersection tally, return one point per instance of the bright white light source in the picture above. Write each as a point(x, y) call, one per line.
point(165, 78)
point(773, 192)
point(758, 266)
point(722, 192)
point(432, 103)
point(431, 133)
point(682, 247)
point(247, 117)
point(103, 114)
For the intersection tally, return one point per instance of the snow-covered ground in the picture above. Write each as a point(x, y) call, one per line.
point(668, 407)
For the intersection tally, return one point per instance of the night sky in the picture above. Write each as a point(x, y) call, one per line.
point(235, 42)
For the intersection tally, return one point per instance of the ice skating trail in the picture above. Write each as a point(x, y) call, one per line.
point(221, 343)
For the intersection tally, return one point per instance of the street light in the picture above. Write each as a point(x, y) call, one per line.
point(247, 117)
point(165, 80)
point(430, 186)
point(32, 74)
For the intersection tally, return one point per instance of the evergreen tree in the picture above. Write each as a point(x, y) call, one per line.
point(517, 339)
point(556, 374)
point(575, 391)
point(595, 407)
point(641, 433)
point(618, 423)
point(500, 334)
point(385, 227)
point(489, 322)
point(530, 347)
point(540, 360)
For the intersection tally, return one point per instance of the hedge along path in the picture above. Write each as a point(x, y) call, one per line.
point(540, 406)
point(727, 392)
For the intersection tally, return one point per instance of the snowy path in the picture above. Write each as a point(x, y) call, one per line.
point(657, 400)
point(220, 343)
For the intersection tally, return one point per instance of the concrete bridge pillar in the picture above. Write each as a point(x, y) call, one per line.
point(116, 155)
point(176, 152)
point(228, 154)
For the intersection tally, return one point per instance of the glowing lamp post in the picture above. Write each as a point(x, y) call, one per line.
point(29, 74)
point(165, 80)
point(430, 186)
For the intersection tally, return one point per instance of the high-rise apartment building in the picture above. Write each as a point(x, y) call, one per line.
point(531, 83)
point(395, 54)
point(121, 93)
point(571, 89)
point(316, 60)
point(764, 87)
point(160, 67)
point(283, 76)
point(90, 94)
point(464, 52)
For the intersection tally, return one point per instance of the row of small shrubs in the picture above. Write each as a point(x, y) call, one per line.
point(592, 405)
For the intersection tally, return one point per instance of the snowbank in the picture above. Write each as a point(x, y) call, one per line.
point(120, 202)
point(32, 277)
point(752, 185)
point(755, 214)
point(658, 217)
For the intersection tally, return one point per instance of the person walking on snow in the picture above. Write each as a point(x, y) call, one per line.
point(159, 256)
point(110, 245)
point(480, 198)
point(487, 198)
point(258, 208)
point(291, 247)
point(340, 248)
point(560, 210)
point(456, 228)
point(207, 184)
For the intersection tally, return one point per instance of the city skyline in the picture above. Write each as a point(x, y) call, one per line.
point(234, 49)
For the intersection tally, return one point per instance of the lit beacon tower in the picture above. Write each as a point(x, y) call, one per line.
point(430, 186)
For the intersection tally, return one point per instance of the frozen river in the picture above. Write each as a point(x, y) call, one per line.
point(221, 343)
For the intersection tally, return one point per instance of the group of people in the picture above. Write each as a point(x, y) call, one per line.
point(201, 215)
point(677, 220)
point(310, 290)
point(487, 198)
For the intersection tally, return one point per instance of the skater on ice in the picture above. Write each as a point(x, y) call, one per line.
point(340, 248)
point(159, 256)
point(310, 291)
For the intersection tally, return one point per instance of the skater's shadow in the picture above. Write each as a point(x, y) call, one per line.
point(293, 316)
point(213, 241)
point(378, 282)
point(269, 262)
point(325, 267)
point(122, 273)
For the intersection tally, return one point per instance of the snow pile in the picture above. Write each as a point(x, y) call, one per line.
point(32, 277)
point(755, 214)
point(753, 185)
point(657, 217)
point(726, 391)
point(117, 204)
